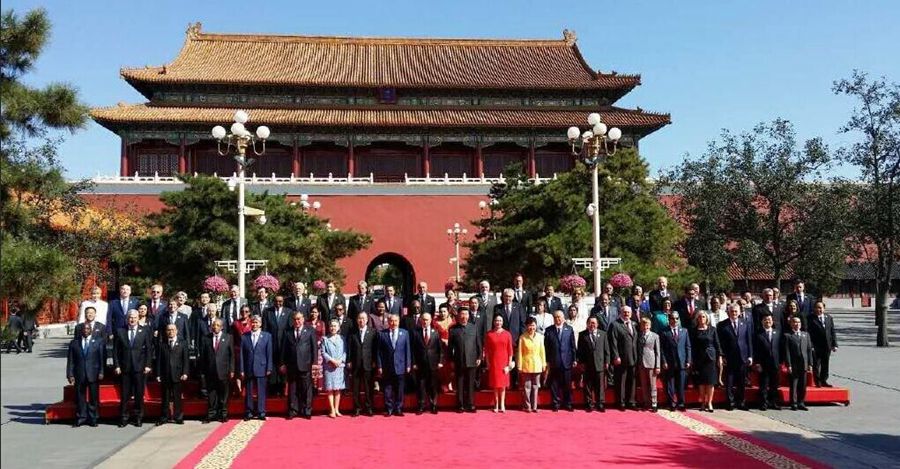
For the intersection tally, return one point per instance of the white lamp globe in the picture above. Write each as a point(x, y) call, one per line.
point(262, 220)
point(304, 204)
point(615, 134)
point(482, 204)
point(241, 117)
point(590, 210)
point(263, 132)
point(587, 134)
point(218, 132)
point(573, 133)
point(465, 231)
point(238, 129)
point(232, 183)
point(599, 128)
point(304, 197)
point(593, 119)
point(316, 205)
point(449, 231)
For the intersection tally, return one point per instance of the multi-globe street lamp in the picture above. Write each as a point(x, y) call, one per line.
point(591, 147)
point(456, 235)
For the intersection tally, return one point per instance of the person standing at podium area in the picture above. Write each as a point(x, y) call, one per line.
point(132, 359)
point(217, 365)
point(171, 371)
point(84, 369)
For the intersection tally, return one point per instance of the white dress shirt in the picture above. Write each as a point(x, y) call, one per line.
point(101, 306)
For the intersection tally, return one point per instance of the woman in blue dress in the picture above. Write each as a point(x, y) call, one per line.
point(334, 356)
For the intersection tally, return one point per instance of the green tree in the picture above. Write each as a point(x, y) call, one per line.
point(536, 229)
point(199, 226)
point(875, 121)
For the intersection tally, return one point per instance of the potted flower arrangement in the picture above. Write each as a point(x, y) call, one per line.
point(570, 283)
point(270, 282)
point(217, 286)
point(621, 282)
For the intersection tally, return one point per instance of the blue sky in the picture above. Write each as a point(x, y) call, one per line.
point(712, 65)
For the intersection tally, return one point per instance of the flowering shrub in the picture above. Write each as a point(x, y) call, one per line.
point(318, 286)
point(621, 280)
point(570, 283)
point(270, 282)
point(215, 284)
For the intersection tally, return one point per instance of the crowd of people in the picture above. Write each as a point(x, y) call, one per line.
point(296, 346)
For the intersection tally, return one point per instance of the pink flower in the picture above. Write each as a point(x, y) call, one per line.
point(318, 286)
point(268, 281)
point(570, 283)
point(215, 284)
point(621, 280)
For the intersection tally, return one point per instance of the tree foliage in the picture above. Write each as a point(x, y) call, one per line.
point(198, 226)
point(875, 122)
point(536, 229)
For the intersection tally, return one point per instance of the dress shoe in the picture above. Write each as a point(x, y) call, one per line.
point(827, 385)
point(355, 413)
point(589, 409)
point(763, 407)
point(122, 424)
point(802, 407)
point(399, 413)
point(205, 421)
point(420, 411)
point(94, 424)
point(307, 416)
point(262, 417)
point(793, 407)
point(247, 417)
point(434, 409)
point(161, 422)
point(388, 414)
point(653, 409)
point(370, 413)
point(290, 417)
point(776, 407)
point(682, 408)
point(570, 408)
point(74, 425)
point(472, 410)
point(139, 423)
point(671, 408)
point(459, 411)
point(223, 419)
point(555, 409)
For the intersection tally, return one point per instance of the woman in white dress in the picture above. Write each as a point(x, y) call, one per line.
point(101, 306)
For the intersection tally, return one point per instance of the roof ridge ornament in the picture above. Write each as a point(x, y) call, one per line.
point(194, 30)
point(569, 37)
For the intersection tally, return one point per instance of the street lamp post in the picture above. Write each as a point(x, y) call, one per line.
point(592, 146)
point(240, 138)
point(456, 234)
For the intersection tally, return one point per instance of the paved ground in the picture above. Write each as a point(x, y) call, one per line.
point(865, 434)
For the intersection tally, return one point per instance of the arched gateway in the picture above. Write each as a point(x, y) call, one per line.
point(391, 268)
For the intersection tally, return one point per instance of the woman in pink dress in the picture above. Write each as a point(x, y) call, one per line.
point(498, 359)
point(319, 326)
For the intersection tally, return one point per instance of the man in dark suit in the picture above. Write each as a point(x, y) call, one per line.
point(298, 356)
point(593, 356)
point(559, 346)
point(394, 359)
point(623, 346)
point(217, 365)
point(797, 354)
point(256, 364)
point(410, 320)
point(172, 364)
point(172, 316)
point(156, 305)
point(29, 329)
point(90, 322)
point(486, 300)
point(767, 306)
point(328, 301)
point(362, 302)
point(393, 302)
point(299, 301)
point(118, 309)
point(736, 339)
point(767, 356)
point(84, 369)
point(479, 317)
point(676, 360)
point(554, 303)
point(804, 300)
point(605, 312)
point(132, 360)
point(521, 296)
point(514, 321)
point(465, 347)
point(361, 363)
point(427, 351)
point(824, 341)
point(16, 325)
point(276, 321)
point(661, 292)
point(345, 324)
point(426, 301)
point(687, 307)
point(199, 321)
point(262, 303)
point(231, 308)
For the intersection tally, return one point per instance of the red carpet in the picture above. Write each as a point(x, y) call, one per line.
point(486, 439)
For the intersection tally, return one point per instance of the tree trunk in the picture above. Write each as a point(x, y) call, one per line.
point(881, 289)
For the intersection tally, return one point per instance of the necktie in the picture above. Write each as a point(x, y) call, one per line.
point(131, 337)
point(171, 344)
point(85, 343)
point(691, 308)
point(362, 335)
point(155, 306)
point(734, 324)
point(770, 335)
point(125, 305)
point(394, 338)
point(172, 319)
point(255, 337)
point(822, 319)
point(675, 334)
point(518, 295)
point(592, 338)
point(297, 334)
point(216, 343)
point(630, 330)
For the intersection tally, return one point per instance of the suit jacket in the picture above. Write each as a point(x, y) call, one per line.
point(201, 328)
point(648, 350)
point(277, 327)
point(623, 344)
point(161, 310)
point(259, 308)
point(396, 305)
point(346, 325)
point(482, 321)
point(737, 346)
point(428, 303)
point(172, 362)
point(360, 304)
point(513, 322)
point(86, 365)
point(426, 354)
point(553, 303)
point(133, 356)
point(303, 304)
point(796, 351)
point(605, 319)
point(676, 354)
point(526, 300)
point(181, 323)
point(394, 358)
point(559, 347)
point(656, 298)
point(684, 311)
point(465, 345)
point(326, 310)
point(593, 352)
point(486, 304)
point(806, 306)
point(409, 321)
point(765, 352)
point(231, 314)
point(98, 327)
point(256, 361)
point(116, 316)
point(758, 311)
point(218, 363)
point(822, 335)
point(299, 354)
point(361, 352)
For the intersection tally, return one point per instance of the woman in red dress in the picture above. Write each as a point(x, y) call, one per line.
point(240, 326)
point(442, 323)
point(498, 357)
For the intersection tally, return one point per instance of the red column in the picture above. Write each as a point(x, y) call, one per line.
point(426, 160)
point(182, 157)
point(123, 159)
point(351, 163)
point(479, 160)
point(295, 159)
point(532, 165)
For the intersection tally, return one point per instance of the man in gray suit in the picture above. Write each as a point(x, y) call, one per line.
point(231, 308)
point(797, 355)
point(648, 364)
point(605, 312)
point(623, 345)
point(486, 300)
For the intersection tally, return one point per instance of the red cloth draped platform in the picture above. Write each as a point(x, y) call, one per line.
point(485, 439)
